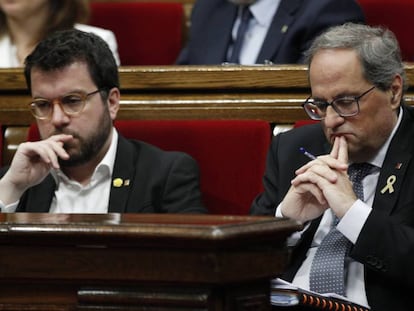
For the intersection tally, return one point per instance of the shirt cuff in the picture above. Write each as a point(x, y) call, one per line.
point(10, 208)
point(353, 221)
point(278, 213)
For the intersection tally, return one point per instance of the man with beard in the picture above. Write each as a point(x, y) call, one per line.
point(277, 31)
point(82, 164)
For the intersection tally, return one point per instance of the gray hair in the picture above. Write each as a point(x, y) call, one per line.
point(377, 48)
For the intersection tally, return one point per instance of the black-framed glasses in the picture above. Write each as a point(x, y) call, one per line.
point(71, 104)
point(346, 106)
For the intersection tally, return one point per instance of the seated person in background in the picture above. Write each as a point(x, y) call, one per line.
point(83, 165)
point(278, 31)
point(24, 23)
point(357, 83)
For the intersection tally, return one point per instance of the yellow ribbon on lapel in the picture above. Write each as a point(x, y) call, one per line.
point(389, 186)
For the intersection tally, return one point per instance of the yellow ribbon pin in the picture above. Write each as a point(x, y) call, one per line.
point(117, 182)
point(389, 186)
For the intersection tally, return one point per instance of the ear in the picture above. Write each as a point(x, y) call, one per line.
point(114, 96)
point(396, 91)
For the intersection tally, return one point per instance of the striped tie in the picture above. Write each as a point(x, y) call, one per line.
point(246, 16)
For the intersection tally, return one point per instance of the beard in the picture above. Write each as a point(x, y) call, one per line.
point(89, 147)
point(242, 2)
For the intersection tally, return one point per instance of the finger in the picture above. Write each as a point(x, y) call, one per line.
point(46, 151)
point(52, 153)
point(332, 159)
point(311, 189)
point(335, 148)
point(41, 151)
point(310, 177)
point(343, 150)
point(318, 170)
point(55, 151)
point(60, 150)
point(59, 137)
point(333, 163)
point(305, 167)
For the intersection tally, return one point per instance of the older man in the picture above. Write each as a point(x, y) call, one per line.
point(365, 135)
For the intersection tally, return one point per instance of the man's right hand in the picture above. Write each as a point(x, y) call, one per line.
point(318, 184)
point(31, 164)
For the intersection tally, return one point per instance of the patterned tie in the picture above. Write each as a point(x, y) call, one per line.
point(246, 15)
point(327, 273)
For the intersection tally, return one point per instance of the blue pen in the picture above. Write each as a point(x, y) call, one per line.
point(306, 153)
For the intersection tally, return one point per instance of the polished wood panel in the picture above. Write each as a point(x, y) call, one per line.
point(267, 92)
point(272, 93)
point(139, 261)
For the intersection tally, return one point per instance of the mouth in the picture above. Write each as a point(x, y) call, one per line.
point(333, 136)
point(70, 144)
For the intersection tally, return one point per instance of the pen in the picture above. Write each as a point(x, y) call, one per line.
point(306, 153)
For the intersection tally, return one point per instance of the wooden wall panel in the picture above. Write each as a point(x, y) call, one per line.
point(273, 93)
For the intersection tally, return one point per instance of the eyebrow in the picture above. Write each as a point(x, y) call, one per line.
point(340, 95)
point(77, 91)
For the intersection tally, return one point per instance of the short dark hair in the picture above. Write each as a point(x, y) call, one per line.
point(63, 48)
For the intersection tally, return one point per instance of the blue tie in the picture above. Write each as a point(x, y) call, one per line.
point(246, 15)
point(327, 274)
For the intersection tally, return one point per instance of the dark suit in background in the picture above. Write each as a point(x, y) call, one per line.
point(159, 182)
point(389, 272)
point(212, 23)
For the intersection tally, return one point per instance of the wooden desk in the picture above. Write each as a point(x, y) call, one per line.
point(139, 261)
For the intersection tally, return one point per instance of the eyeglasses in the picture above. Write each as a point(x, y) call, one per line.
point(347, 106)
point(71, 104)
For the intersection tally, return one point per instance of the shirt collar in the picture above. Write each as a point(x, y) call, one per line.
point(378, 160)
point(264, 11)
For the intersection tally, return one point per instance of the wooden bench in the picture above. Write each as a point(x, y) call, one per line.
point(271, 93)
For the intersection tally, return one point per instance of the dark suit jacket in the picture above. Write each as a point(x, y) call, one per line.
point(212, 23)
point(386, 243)
point(160, 182)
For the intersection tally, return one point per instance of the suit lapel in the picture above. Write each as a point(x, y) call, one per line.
point(122, 176)
point(281, 22)
point(299, 251)
point(395, 166)
point(39, 198)
point(221, 25)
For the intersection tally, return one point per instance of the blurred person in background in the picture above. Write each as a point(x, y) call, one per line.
point(276, 31)
point(23, 23)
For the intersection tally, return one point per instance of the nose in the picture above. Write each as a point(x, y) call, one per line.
point(58, 116)
point(332, 118)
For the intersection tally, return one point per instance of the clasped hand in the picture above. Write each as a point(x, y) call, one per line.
point(321, 184)
point(31, 164)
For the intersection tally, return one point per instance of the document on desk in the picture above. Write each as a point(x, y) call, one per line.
point(286, 294)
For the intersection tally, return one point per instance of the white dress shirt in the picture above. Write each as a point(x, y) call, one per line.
point(73, 198)
point(8, 56)
point(263, 12)
point(350, 225)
